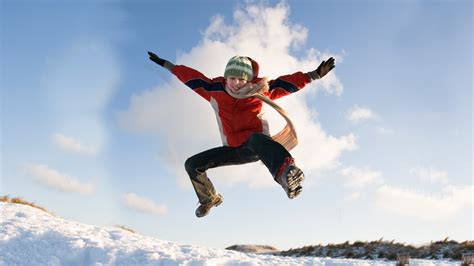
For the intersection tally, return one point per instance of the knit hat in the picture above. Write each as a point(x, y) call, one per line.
point(239, 66)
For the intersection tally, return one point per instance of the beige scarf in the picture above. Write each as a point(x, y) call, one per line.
point(287, 136)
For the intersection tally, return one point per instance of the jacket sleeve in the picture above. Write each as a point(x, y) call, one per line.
point(194, 79)
point(287, 84)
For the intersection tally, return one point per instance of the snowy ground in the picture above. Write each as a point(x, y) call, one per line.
point(29, 236)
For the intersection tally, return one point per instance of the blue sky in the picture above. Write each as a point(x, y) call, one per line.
point(94, 131)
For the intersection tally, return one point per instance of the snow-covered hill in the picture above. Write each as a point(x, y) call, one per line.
point(29, 236)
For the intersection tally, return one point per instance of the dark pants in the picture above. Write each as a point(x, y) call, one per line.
point(258, 147)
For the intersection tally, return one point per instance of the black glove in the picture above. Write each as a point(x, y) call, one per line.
point(322, 69)
point(156, 59)
point(160, 61)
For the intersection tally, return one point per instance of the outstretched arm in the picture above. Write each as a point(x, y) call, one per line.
point(192, 78)
point(288, 84)
point(160, 61)
point(322, 69)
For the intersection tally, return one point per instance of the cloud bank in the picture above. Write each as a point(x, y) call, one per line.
point(54, 179)
point(427, 207)
point(359, 114)
point(357, 177)
point(73, 145)
point(79, 81)
point(430, 174)
point(135, 202)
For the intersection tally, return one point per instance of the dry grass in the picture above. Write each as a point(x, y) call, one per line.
point(444, 249)
point(123, 227)
point(19, 200)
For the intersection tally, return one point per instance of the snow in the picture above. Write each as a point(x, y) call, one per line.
point(29, 236)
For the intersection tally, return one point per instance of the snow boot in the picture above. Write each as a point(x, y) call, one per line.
point(290, 177)
point(204, 209)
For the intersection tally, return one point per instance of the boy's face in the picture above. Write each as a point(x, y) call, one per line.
point(235, 83)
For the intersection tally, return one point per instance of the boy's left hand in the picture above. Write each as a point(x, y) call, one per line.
point(322, 69)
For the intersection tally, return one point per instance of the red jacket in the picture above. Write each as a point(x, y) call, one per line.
point(238, 118)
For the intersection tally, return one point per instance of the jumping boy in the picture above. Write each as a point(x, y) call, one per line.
point(245, 134)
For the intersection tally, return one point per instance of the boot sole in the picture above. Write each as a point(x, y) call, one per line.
point(294, 193)
point(294, 179)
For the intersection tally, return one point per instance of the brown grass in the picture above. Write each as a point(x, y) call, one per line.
point(19, 200)
point(382, 249)
point(123, 227)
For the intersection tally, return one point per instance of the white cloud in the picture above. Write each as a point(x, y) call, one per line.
point(384, 130)
point(430, 174)
point(77, 91)
point(73, 145)
point(135, 202)
point(353, 196)
point(357, 177)
point(57, 180)
point(186, 124)
point(431, 207)
point(359, 114)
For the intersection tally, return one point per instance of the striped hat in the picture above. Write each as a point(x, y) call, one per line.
point(239, 66)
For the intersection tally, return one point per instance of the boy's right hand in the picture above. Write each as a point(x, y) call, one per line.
point(153, 57)
point(160, 61)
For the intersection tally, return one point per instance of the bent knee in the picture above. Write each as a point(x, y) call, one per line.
point(189, 165)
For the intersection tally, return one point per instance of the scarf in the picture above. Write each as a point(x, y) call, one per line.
point(287, 136)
